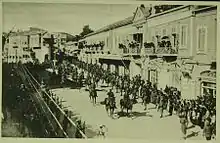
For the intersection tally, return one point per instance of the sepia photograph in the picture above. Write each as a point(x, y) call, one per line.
point(109, 71)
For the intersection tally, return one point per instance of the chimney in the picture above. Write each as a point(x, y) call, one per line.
point(142, 5)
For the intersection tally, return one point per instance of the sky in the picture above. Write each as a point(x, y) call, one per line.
point(58, 17)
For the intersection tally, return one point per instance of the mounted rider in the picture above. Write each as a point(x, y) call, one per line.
point(111, 96)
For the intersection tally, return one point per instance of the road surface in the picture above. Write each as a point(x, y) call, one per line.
point(144, 125)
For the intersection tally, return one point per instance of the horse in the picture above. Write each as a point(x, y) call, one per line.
point(126, 104)
point(146, 100)
point(93, 95)
point(110, 105)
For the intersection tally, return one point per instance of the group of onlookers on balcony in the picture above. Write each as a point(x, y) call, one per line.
point(200, 112)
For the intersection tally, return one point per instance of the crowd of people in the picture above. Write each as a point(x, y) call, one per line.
point(19, 98)
point(200, 112)
point(22, 107)
point(57, 107)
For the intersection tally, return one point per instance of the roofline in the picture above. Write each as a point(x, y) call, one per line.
point(205, 9)
point(135, 13)
point(168, 11)
point(127, 20)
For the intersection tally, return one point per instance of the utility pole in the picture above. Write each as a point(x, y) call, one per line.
point(4, 39)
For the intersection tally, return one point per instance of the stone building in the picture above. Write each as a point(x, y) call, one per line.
point(23, 45)
point(175, 47)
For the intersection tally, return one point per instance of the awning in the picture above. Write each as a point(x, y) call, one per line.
point(119, 62)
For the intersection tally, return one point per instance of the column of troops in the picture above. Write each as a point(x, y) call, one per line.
point(200, 111)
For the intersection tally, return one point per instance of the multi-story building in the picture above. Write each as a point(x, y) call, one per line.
point(25, 45)
point(175, 47)
point(183, 49)
point(60, 39)
point(71, 47)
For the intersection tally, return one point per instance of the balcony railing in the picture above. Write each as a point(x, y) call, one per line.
point(165, 50)
point(162, 51)
point(132, 51)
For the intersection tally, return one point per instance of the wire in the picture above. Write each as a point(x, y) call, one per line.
point(84, 136)
point(47, 107)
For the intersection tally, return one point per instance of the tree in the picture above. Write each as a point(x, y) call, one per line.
point(76, 38)
point(86, 30)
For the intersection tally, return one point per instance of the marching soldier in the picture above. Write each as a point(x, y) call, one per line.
point(171, 105)
point(207, 131)
point(161, 105)
point(184, 123)
point(117, 84)
point(110, 94)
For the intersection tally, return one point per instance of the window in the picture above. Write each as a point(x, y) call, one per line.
point(183, 34)
point(153, 38)
point(157, 33)
point(164, 32)
point(208, 89)
point(107, 41)
point(201, 34)
point(15, 46)
point(173, 30)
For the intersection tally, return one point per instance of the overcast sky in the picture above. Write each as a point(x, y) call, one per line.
point(63, 17)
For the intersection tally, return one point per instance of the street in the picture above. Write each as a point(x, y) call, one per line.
point(144, 124)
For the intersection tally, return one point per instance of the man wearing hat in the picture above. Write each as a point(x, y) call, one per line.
point(102, 131)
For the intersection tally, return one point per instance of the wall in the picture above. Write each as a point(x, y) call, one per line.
point(169, 24)
point(207, 20)
point(122, 34)
point(34, 41)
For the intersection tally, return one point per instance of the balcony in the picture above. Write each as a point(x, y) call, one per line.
point(132, 51)
point(169, 51)
point(161, 49)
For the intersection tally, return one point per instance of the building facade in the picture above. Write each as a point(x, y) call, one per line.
point(175, 47)
point(26, 45)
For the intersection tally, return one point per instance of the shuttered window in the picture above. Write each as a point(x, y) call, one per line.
point(201, 39)
point(183, 35)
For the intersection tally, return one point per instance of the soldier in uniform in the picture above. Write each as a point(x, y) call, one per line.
point(117, 84)
point(207, 131)
point(184, 123)
point(110, 94)
point(122, 85)
point(161, 105)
